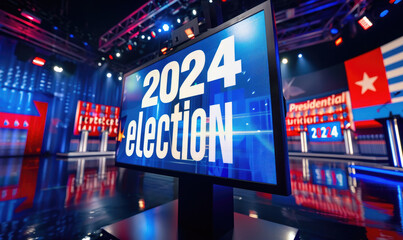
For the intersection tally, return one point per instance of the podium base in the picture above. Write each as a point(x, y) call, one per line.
point(162, 223)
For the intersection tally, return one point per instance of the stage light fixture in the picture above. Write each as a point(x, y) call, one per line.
point(142, 36)
point(397, 1)
point(58, 69)
point(163, 50)
point(384, 13)
point(189, 32)
point(99, 64)
point(338, 41)
point(129, 47)
point(110, 57)
point(210, 1)
point(178, 20)
point(109, 75)
point(71, 36)
point(159, 30)
point(31, 17)
point(300, 55)
point(194, 12)
point(103, 58)
point(148, 38)
point(120, 78)
point(38, 61)
point(153, 34)
point(365, 23)
point(55, 28)
point(118, 54)
point(284, 61)
point(334, 31)
point(165, 27)
point(85, 43)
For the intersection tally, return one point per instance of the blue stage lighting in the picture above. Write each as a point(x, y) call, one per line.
point(165, 27)
point(85, 43)
point(55, 28)
point(397, 1)
point(384, 13)
point(300, 55)
point(71, 36)
point(334, 31)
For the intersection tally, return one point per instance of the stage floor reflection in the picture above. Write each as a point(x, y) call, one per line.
point(48, 198)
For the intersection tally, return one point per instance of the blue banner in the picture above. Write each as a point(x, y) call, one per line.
point(205, 109)
point(325, 132)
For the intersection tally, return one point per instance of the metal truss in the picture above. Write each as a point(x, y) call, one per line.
point(139, 21)
point(310, 23)
point(22, 29)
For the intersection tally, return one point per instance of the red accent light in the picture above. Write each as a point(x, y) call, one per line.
point(110, 57)
point(223, 0)
point(39, 61)
point(31, 17)
point(129, 47)
point(153, 34)
point(365, 23)
point(338, 41)
point(189, 32)
point(163, 50)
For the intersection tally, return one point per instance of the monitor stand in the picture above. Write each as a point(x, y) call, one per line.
point(202, 211)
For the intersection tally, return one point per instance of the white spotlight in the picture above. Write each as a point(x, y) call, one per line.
point(178, 20)
point(58, 69)
point(118, 54)
point(284, 61)
point(194, 12)
point(120, 78)
point(300, 55)
point(109, 75)
point(99, 64)
point(148, 38)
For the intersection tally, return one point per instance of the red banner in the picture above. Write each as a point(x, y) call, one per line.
point(96, 118)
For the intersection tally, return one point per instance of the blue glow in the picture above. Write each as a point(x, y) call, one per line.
point(55, 28)
point(85, 43)
point(378, 180)
point(378, 170)
point(334, 31)
point(300, 55)
point(165, 27)
point(397, 1)
point(384, 13)
point(71, 36)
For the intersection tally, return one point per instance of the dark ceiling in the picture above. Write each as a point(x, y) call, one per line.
point(89, 19)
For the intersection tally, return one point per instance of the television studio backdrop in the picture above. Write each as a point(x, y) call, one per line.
point(293, 108)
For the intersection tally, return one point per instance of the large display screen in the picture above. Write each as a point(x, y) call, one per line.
point(212, 108)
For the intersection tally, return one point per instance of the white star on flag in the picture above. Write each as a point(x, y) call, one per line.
point(367, 83)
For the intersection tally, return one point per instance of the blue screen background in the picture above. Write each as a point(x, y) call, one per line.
point(253, 141)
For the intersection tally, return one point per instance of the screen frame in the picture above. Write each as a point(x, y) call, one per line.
point(283, 186)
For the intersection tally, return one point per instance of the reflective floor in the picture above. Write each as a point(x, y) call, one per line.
point(47, 198)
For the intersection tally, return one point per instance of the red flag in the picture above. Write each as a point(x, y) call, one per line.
point(367, 80)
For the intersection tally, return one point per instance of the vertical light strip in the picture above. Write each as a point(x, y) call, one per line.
point(391, 141)
point(398, 143)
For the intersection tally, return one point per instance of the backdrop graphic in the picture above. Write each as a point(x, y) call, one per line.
point(376, 82)
point(38, 105)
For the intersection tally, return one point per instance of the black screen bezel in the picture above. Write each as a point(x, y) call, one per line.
point(279, 132)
